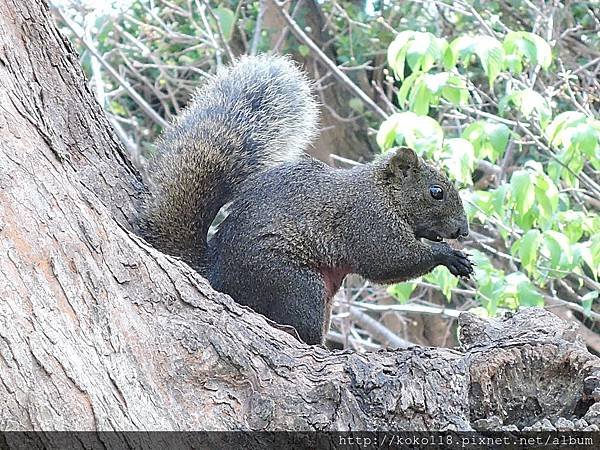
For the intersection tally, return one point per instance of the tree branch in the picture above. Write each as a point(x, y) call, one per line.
point(337, 73)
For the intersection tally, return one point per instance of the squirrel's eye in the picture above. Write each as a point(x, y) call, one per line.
point(436, 192)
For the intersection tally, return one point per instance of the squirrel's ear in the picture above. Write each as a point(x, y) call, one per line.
point(403, 160)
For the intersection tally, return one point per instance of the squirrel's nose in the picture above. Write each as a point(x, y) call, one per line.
point(463, 230)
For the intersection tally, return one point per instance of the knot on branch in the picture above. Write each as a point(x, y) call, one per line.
point(526, 368)
point(527, 325)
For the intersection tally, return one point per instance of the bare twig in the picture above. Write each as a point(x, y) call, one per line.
point(410, 307)
point(258, 28)
point(220, 31)
point(337, 73)
point(133, 94)
point(378, 330)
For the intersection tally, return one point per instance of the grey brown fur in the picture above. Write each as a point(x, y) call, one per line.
point(296, 226)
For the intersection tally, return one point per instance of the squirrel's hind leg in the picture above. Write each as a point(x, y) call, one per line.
point(286, 294)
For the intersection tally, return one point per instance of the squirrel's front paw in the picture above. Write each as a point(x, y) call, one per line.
point(456, 261)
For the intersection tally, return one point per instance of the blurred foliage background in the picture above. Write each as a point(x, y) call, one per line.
point(503, 95)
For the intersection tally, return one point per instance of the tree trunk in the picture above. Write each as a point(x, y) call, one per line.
point(98, 331)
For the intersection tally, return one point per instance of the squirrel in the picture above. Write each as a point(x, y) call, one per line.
point(295, 226)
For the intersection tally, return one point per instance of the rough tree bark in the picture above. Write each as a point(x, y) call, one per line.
point(98, 331)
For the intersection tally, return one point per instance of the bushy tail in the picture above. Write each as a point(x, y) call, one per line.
point(257, 113)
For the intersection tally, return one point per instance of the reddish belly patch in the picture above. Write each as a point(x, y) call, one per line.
point(332, 278)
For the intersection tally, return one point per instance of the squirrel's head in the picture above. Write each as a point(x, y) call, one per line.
point(423, 196)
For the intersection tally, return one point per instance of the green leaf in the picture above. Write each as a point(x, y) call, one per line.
point(595, 254)
point(453, 95)
point(520, 291)
point(572, 223)
point(514, 282)
point(587, 300)
point(420, 97)
point(226, 18)
point(436, 82)
point(546, 194)
point(459, 158)
point(461, 47)
point(573, 159)
point(440, 276)
point(489, 139)
point(456, 96)
point(562, 120)
point(531, 101)
point(586, 138)
point(588, 253)
point(498, 135)
point(396, 53)
point(513, 64)
point(455, 90)
point(402, 291)
point(489, 280)
point(527, 101)
point(387, 133)
point(483, 201)
point(419, 132)
point(499, 199)
point(420, 50)
point(528, 295)
point(449, 58)
point(491, 54)
point(419, 54)
point(582, 255)
point(117, 108)
point(406, 86)
point(356, 104)
point(424, 89)
point(488, 49)
point(475, 134)
point(528, 249)
point(559, 248)
point(523, 190)
point(529, 45)
point(303, 50)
